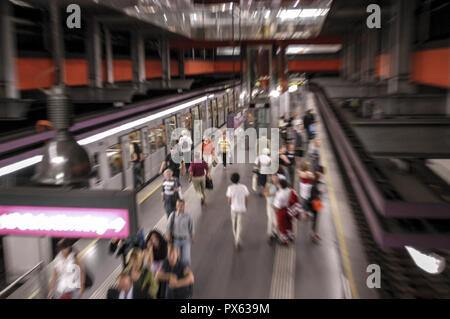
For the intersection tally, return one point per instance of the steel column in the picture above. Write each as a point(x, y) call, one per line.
point(94, 52)
point(109, 56)
point(165, 57)
point(402, 47)
point(57, 43)
point(8, 52)
point(138, 57)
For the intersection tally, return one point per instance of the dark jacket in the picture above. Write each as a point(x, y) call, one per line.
point(114, 293)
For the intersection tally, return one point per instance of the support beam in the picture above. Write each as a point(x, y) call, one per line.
point(109, 57)
point(57, 43)
point(8, 52)
point(138, 57)
point(94, 52)
point(402, 47)
point(370, 50)
point(181, 64)
point(165, 57)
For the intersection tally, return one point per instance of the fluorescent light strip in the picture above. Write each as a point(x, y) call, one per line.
point(19, 165)
point(96, 137)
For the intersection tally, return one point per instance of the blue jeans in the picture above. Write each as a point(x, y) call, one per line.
point(185, 250)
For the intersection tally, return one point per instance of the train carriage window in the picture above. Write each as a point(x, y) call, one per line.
point(172, 124)
point(210, 110)
point(215, 113)
point(135, 137)
point(152, 140)
point(203, 111)
point(161, 136)
point(186, 121)
point(114, 157)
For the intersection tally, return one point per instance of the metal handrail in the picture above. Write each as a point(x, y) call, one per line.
point(15, 282)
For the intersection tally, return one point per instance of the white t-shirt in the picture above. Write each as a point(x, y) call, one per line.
point(68, 273)
point(264, 161)
point(185, 143)
point(282, 198)
point(237, 193)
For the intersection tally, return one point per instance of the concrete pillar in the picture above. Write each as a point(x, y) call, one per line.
point(370, 50)
point(8, 51)
point(343, 73)
point(283, 68)
point(181, 64)
point(109, 56)
point(165, 57)
point(138, 57)
point(402, 47)
point(94, 52)
point(57, 43)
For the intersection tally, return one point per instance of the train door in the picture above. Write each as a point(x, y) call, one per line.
point(146, 150)
point(197, 127)
point(112, 163)
point(215, 113)
point(127, 177)
point(157, 141)
point(137, 145)
point(210, 114)
point(220, 109)
point(204, 116)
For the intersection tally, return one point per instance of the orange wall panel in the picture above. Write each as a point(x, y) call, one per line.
point(383, 66)
point(314, 65)
point(76, 71)
point(30, 73)
point(432, 67)
point(122, 70)
point(226, 66)
point(198, 67)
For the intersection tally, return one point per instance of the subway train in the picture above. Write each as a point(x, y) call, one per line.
point(108, 137)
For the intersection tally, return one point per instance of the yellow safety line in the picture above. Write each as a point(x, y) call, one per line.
point(92, 243)
point(149, 194)
point(34, 293)
point(340, 233)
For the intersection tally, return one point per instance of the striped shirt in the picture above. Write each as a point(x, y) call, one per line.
point(169, 185)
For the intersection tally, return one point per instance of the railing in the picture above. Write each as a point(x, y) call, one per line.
point(18, 280)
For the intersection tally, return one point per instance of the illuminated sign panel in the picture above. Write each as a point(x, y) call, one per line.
point(62, 212)
point(64, 221)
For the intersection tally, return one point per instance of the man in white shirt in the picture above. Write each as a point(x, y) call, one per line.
point(237, 195)
point(185, 144)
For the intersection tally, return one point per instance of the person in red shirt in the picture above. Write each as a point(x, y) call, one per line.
point(197, 173)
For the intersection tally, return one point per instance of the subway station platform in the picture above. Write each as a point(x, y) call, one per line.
point(335, 268)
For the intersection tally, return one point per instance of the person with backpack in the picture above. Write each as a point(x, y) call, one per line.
point(180, 231)
point(173, 163)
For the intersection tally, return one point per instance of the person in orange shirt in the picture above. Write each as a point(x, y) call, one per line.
point(208, 151)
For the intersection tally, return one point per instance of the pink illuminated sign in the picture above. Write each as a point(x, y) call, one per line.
point(64, 221)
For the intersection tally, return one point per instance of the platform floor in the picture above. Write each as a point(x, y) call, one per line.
point(334, 269)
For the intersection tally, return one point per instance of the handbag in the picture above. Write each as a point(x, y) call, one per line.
point(214, 163)
point(316, 205)
point(209, 183)
point(294, 208)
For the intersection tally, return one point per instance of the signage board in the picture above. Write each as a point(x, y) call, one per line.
point(67, 213)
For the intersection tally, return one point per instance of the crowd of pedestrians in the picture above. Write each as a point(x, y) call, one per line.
point(158, 266)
